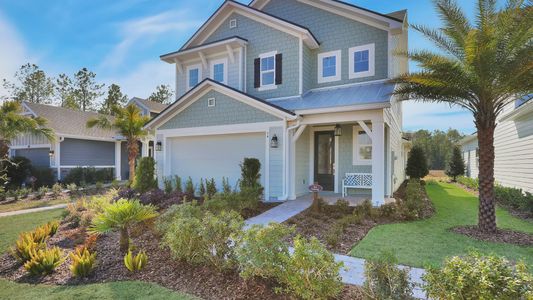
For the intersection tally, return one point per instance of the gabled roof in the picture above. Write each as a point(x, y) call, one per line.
point(230, 6)
point(68, 122)
point(215, 46)
point(151, 106)
point(357, 96)
point(207, 85)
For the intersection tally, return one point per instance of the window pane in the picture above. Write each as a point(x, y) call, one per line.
point(193, 77)
point(267, 78)
point(329, 66)
point(365, 152)
point(218, 72)
point(361, 61)
point(267, 63)
point(363, 138)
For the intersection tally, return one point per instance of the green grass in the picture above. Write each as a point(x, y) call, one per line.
point(27, 204)
point(429, 241)
point(112, 290)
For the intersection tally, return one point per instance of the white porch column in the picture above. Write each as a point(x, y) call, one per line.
point(292, 165)
point(57, 154)
point(144, 150)
point(378, 163)
point(118, 160)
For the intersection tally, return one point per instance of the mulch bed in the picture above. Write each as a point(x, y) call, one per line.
point(261, 208)
point(500, 236)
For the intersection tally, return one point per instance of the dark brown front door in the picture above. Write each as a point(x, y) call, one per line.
point(325, 159)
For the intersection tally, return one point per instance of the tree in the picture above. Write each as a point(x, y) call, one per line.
point(437, 145)
point(129, 122)
point(456, 167)
point(86, 90)
point(162, 94)
point(33, 85)
point(65, 92)
point(484, 66)
point(417, 166)
point(145, 179)
point(114, 98)
point(13, 123)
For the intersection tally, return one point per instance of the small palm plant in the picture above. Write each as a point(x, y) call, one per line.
point(121, 215)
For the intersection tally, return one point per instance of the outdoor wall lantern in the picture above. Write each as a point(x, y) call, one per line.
point(274, 142)
point(158, 146)
point(51, 153)
point(338, 130)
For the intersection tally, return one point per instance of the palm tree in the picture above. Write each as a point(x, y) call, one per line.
point(129, 122)
point(13, 123)
point(483, 66)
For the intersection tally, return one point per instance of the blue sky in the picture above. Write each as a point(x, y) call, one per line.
point(121, 41)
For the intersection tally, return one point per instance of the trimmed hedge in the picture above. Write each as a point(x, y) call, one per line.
point(89, 176)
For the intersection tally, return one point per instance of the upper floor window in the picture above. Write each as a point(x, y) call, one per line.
point(362, 61)
point(520, 101)
point(329, 66)
point(362, 151)
point(219, 70)
point(267, 71)
point(194, 74)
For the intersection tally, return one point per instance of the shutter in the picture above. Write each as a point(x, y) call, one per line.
point(279, 69)
point(257, 73)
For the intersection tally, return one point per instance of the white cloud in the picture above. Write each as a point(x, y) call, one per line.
point(418, 115)
point(144, 31)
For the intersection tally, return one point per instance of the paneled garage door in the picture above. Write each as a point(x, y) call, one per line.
point(216, 156)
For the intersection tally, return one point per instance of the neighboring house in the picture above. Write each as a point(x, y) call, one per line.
point(75, 144)
point(299, 84)
point(513, 147)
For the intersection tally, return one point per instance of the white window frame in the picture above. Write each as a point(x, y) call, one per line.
point(233, 23)
point(192, 67)
point(267, 86)
point(338, 64)
point(371, 61)
point(356, 160)
point(211, 102)
point(223, 61)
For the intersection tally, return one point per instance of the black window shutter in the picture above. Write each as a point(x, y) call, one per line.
point(279, 68)
point(257, 73)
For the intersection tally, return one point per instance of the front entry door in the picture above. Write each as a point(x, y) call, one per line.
point(325, 159)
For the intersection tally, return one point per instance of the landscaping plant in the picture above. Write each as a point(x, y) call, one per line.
point(24, 246)
point(44, 261)
point(385, 280)
point(57, 189)
point(83, 262)
point(189, 188)
point(456, 166)
point(177, 183)
point(182, 232)
point(145, 178)
point(137, 262)
point(167, 184)
point(477, 276)
point(121, 215)
point(417, 165)
point(413, 200)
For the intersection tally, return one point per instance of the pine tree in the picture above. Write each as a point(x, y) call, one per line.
point(86, 90)
point(417, 165)
point(33, 85)
point(114, 99)
point(456, 167)
point(162, 94)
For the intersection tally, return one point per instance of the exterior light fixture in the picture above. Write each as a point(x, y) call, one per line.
point(158, 146)
point(274, 142)
point(51, 153)
point(338, 130)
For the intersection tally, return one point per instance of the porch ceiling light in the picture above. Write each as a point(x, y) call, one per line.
point(338, 130)
point(158, 146)
point(274, 141)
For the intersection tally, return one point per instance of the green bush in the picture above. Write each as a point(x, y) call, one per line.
point(43, 177)
point(247, 198)
point(334, 234)
point(45, 261)
point(182, 236)
point(456, 166)
point(135, 263)
point(145, 175)
point(417, 164)
point(414, 200)
point(250, 175)
point(18, 169)
point(471, 183)
point(189, 187)
point(175, 212)
point(57, 189)
point(83, 176)
point(384, 280)
point(478, 277)
point(177, 184)
point(262, 252)
point(83, 262)
point(514, 198)
point(311, 271)
point(167, 184)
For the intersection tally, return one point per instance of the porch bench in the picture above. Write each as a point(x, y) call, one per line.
point(356, 181)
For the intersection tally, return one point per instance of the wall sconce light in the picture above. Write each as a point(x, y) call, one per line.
point(51, 153)
point(338, 130)
point(274, 142)
point(158, 146)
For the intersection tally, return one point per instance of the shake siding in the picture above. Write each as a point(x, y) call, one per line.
point(302, 164)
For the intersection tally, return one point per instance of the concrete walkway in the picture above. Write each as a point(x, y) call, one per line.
point(354, 268)
point(31, 210)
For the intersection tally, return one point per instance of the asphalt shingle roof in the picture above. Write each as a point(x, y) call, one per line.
point(155, 107)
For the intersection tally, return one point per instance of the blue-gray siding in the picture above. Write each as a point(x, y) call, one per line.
point(39, 157)
point(276, 164)
point(76, 152)
point(226, 111)
point(345, 163)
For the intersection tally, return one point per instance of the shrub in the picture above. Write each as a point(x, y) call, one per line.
point(334, 234)
point(514, 198)
point(99, 185)
point(414, 200)
point(261, 250)
point(83, 262)
point(175, 212)
point(145, 175)
point(121, 215)
point(456, 166)
point(46, 230)
point(182, 233)
point(248, 198)
point(417, 165)
point(72, 187)
point(137, 262)
point(167, 184)
point(18, 169)
point(115, 184)
point(43, 176)
point(478, 277)
point(126, 193)
point(177, 183)
point(471, 183)
point(189, 187)
point(57, 189)
point(384, 280)
point(155, 197)
point(24, 246)
point(82, 176)
point(41, 193)
point(45, 261)
point(211, 188)
point(311, 271)
point(250, 175)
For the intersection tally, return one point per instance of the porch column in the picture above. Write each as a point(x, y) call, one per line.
point(144, 150)
point(292, 165)
point(118, 160)
point(378, 163)
point(57, 154)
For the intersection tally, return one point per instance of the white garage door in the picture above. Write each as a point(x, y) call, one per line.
point(216, 156)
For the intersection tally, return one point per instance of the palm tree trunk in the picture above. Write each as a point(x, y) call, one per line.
point(124, 240)
point(133, 151)
point(4, 148)
point(487, 213)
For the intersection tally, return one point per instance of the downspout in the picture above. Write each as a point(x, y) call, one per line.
point(286, 156)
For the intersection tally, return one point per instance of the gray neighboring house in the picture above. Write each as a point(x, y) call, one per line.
point(513, 147)
point(75, 144)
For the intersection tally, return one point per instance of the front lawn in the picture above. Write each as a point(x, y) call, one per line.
point(429, 241)
point(27, 204)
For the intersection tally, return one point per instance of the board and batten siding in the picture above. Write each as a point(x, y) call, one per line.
point(76, 152)
point(29, 139)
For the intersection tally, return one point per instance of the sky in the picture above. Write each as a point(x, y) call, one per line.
point(121, 41)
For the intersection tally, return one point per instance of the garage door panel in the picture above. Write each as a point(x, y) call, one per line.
point(215, 156)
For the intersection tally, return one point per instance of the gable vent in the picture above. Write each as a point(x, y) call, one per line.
point(233, 23)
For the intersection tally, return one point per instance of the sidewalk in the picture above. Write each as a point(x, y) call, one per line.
point(31, 210)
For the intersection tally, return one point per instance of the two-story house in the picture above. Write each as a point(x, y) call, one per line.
point(302, 85)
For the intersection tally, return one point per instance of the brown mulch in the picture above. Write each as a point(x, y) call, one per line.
point(500, 236)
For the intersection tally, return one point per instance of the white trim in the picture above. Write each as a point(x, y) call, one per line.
point(233, 23)
point(326, 88)
point(241, 68)
point(378, 163)
point(82, 137)
point(31, 146)
point(320, 65)
point(342, 108)
point(211, 102)
point(220, 129)
point(118, 160)
point(264, 87)
point(188, 69)
point(282, 98)
point(300, 67)
point(371, 61)
point(25, 105)
point(96, 167)
point(167, 57)
point(356, 160)
point(336, 155)
point(57, 157)
point(224, 62)
point(267, 165)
